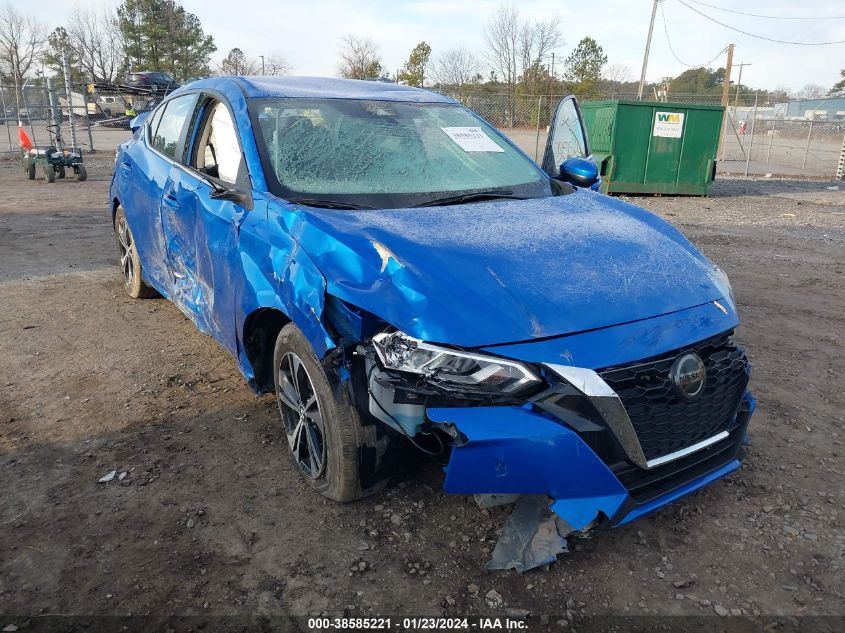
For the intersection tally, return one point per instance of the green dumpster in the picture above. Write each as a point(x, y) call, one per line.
point(648, 147)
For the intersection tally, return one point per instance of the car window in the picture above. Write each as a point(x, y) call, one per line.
point(218, 152)
point(567, 135)
point(383, 154)
point(153, 124)
point(167, 136)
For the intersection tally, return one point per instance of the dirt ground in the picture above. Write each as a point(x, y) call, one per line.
point(211, 518)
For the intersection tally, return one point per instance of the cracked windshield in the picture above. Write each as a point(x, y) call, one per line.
point(375, 148)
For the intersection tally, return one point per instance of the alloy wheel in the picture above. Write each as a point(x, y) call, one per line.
point(301, 415)
point(124, 245)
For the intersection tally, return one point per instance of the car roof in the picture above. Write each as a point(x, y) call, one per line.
point(322, 88)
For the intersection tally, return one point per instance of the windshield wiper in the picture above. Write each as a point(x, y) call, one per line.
point(493, 194)
point(327, 204)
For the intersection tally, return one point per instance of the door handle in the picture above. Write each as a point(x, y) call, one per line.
point(127, 167)
point(171, 201)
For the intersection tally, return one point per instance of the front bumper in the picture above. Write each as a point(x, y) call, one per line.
point(517, 450)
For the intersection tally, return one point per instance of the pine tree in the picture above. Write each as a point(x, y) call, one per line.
point(413, 72)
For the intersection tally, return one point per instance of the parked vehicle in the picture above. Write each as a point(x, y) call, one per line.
point(398, 272)
point(110, 106)
point(154, 81)
point(13, 116)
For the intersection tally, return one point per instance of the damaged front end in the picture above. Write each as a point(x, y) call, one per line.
point(597, 448)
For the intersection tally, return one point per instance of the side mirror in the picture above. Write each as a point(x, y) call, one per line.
point(581, 172)
point(237, 196)
point(136, 123)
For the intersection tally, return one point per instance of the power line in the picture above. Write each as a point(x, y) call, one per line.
point(759, 37)
point(678, 59)
point(771, 17)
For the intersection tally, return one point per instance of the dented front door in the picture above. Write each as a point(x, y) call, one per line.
point(200, 232)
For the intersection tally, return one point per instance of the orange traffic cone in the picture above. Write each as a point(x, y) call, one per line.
point(24, 138)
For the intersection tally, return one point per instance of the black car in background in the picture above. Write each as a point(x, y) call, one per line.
point(154, 81)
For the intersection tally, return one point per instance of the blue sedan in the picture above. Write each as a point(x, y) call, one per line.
point(401, 275)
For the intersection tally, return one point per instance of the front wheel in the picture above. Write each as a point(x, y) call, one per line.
point(130, 263)
point(340, 457)
point(81, 173)
point(49, 173)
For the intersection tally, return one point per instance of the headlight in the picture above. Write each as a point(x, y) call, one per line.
point(451, 368)
point(724, 285)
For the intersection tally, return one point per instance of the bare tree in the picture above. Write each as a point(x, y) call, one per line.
point(617, 73)
point(96, 43)
point(22, 40)
point(359, 58)
point(237, 63)
point(503, 35)
point(277, 64)
point(810, 91)
point(537, 41)
point(455, 67)
point(516, 49)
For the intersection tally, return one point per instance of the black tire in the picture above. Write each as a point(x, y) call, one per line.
point(49, 173)
point(60, 171)
point(130, 263)
point(81, 173)
point(354, 456)
point(30, 170)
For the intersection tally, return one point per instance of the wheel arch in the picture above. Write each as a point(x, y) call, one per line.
point(115, 203)
point(260, 330)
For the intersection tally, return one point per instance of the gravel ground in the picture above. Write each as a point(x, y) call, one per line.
point(211, 519)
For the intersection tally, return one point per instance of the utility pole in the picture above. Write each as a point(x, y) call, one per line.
point(647, 47)
point(262, 64)
point(726, 86)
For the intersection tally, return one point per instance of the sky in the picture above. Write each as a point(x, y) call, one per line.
point(308, 34)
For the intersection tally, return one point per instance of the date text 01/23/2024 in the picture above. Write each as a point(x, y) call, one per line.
point(415, 624)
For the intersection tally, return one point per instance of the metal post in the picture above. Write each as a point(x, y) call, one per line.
point(66, 69)
point(87, 118)
point(840, 168)
point(738, 84)
point(807, 146)
point(537, 141)
point(771, 141)
point(55, 114)
point(28, 111)
point(262, 64)
point(8, 125)
point(751, 142)
point(647, 47)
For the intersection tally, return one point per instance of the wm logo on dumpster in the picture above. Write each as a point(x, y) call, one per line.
point(668, 124)
point(670, 117)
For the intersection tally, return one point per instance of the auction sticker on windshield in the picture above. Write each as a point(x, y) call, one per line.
point(472, 139)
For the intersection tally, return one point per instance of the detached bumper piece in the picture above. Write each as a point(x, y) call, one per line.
point(606, 447)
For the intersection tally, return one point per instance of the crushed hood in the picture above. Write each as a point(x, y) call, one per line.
point(503, 271)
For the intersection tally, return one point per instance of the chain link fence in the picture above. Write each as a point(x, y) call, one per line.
point(85, 116)
point(754, 143)
point(92, 117)
point(784, 147)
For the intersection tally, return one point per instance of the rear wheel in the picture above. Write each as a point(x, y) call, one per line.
point(340, 457)
point(130, 263)
point(29, 168)
point(60, 171)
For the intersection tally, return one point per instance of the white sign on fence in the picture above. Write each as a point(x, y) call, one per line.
point(668, 124)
